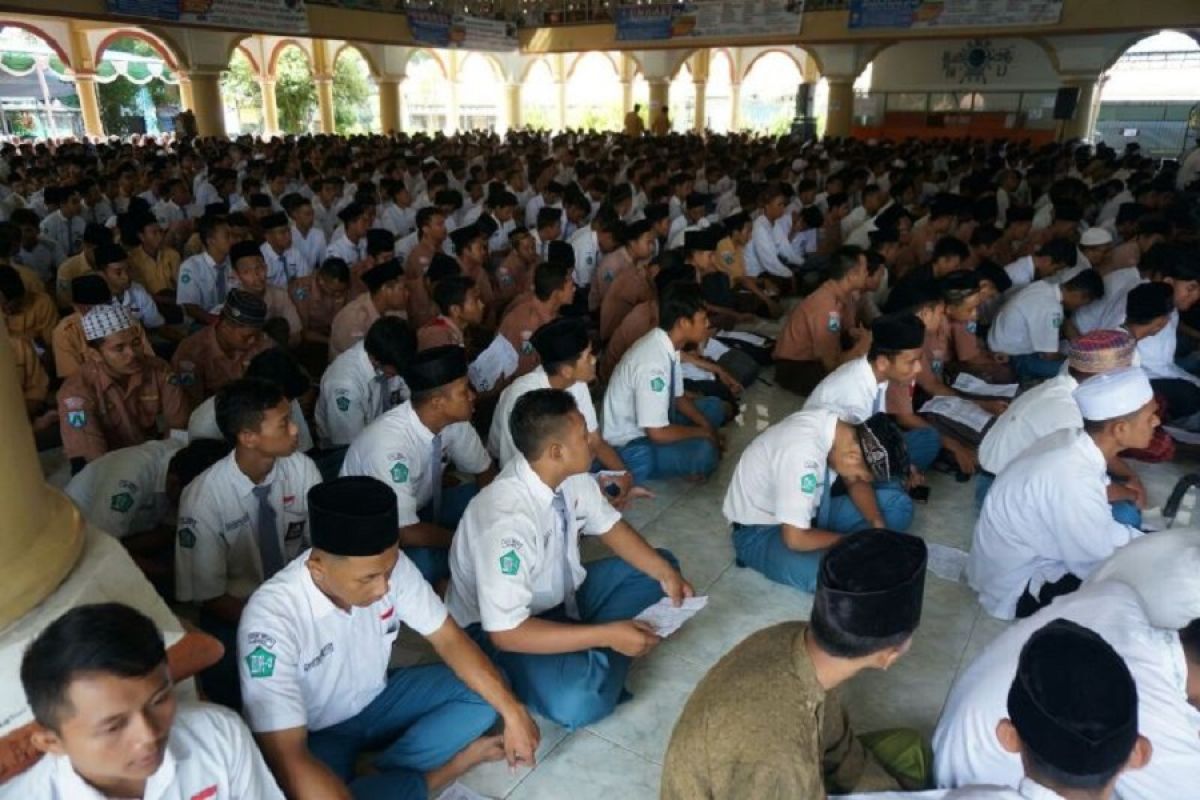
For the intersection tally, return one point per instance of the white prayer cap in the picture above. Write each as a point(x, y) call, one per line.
point(105, 320)
point(1114, 394)
point(1094, 237)
point(899, 163)
point(799, 164)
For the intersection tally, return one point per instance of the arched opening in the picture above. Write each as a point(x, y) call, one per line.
point(480, 93)
point(594, 94)
point(355, 93)
point(36, 96)
point(539, 97)
point(426, 98)
point(682, 100)
point(1147, 94)
point(718, 93)
point(241, 94)
point(295, 90)
point(769, 93)
point(137, 90)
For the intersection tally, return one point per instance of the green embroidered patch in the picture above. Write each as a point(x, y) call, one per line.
point(261, 663)
point(343, 403)
point(185, 278)
point(510, 563)
point(187, 538)
point(399, 472)
point(808, 484)
point(121, 502)
point(658, 384)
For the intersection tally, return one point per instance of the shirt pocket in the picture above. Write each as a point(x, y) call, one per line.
point(295, 533)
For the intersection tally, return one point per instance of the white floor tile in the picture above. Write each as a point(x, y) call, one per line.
point(587, 767)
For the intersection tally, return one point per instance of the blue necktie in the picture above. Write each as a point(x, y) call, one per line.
point(435, 477)
point(222, 286)
point(384, 401)
point(268, 536)
point(563, 521)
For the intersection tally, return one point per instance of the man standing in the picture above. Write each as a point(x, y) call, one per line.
point(313, 653)
point(765, 722)
point(564, 635)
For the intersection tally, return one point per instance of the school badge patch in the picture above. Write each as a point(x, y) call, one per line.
point(808, 484)
point(399, 472)
point(510, 563)
point(121, 502)
point(261, 663)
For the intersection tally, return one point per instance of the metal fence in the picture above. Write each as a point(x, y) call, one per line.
point(1158, 139)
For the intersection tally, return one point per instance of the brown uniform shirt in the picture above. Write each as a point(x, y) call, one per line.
point(523, 318)
point(935, 353)
point(279, 304)
point(36, 319)
point(35, 383)
point(609, 268)
point(759, 725)
point(421, 308)
point(514, 277)
point(351, 324)
point(813, 330)
point(316, 309)
point(731, 260)
point(33, 284)
point(158, 274)
point(487, 292)
point(70, 348)
point(204, 368)
point(439, 333)
point(631, 287)
point(97, 414)
point(74, 267)
point(964, 343)
point(636, 324)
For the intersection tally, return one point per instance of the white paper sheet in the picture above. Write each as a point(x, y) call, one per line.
point(713, 349)
point(1182, 435)
point(494, 364)
point(667, 619)
point(960, 410)
point(744, 336)
point(457, 791)
point(972, 385)
point(948, 563)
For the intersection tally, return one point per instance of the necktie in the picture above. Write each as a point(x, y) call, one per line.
point(222, 289)
point(435, 477)
point(671, 385)
point(268, 537)
point(563, 521)
point(385, 396)
point(283, 267)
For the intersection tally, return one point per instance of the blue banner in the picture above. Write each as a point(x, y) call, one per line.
point(268, 16)
point(430, 27)
point(643, 23)
point(952, 13)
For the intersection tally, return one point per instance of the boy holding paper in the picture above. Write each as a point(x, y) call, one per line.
point(564, 635)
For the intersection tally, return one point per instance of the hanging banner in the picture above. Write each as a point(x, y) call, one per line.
point(469, 33)
point(952, 13)
point(267, 16)
point(708, 18)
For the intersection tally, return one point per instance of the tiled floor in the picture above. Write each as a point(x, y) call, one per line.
point(621, 757)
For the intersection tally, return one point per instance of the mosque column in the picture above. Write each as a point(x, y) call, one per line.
point(1080, 125)
point(513, 108)
point(660, 98)
point(839, 114)
point(89, 103)
point(186, 101)
point(561, 93)
point(389, 103)
point(270, 107)
point(699, 118)
point(735, 100)
point(626, 96)
point(324, 82)
point(206, 101)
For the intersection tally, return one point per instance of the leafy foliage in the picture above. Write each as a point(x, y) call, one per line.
point(351, 91)
point(295, 91)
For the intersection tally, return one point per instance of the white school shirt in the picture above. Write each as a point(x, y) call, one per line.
point(202, 424)
point(1046, 515)
point(400, 221)
point(397, 449)
point(351, 398)
point(43, 259)
point(324, 218)
point(311, 247)
point(124, 492)
point(640, 394)
point(762, 254)
point(586, 245)
point(303, 662)
point(965, 747)
point(1021, 272)
point(341, 247)
point(205, 193)
point(852, 220)
point(168, 213)
point(198, 281)
point(1157, 354)
point(210, 755)
point(217, 548)
point(852, 391)
point(780, 477)
point(283, 268)
point(141, 305)
point(506, 558)
point(1027, 789)
point(66, 233)
point(1030, 417)
point(1029, 322)
point(500, 441)
point(1109, 311)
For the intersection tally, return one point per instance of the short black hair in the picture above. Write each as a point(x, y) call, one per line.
point(679, 300)
point(200, 454)
point(536, 416)
point(241, 405)
point(452, 291)
point(391, 342)
point(549, 277)
point(1047, 774)
point(425, 215)
point(949, 247)
point(283, 369)
point(335, 268)
point(842, 260)
point(102, 638)
point(843, 644)
point(208, 226)
point(1189, 637)
point(1087, 281)
point(11, 285)
point(993, 272)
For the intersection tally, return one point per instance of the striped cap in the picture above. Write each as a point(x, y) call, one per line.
point(1101, 351)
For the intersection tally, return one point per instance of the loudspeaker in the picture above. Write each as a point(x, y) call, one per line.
point(1065, 102)
point(802, 100)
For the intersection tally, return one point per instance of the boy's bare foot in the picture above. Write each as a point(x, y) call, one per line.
point(482, 750)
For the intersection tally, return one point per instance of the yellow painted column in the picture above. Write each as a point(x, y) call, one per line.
point(626, 96)
point(89, 103)
point(186, 101)
point(660, 98)
point(389, 104)
point(562, 104)
point(270, 106)
point(700, 121)
point(735, 102)
point(840, 111)
point(206, 102)
point(1080, 125)
point(513, 112)
point(324, 82)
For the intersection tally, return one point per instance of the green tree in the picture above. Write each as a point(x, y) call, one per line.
point(239, 85)
point(121, 101)
point(295, 91)
point(351, 112)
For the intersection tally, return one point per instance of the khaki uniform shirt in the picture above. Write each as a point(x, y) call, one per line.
point(36, 319)
point(69, 270)
point(204, 368)
point(439, 333)
point(730, 260)
point(813, 330)
point(610, 267)
point(158, 274)
point(70, 348)
point(97, 414)
point(631, 287)
point(351, 324)
point(518, 325)
point(421, 308)
point(35, 383)
point(760, 727)
point(316, 309)
point(636, 324)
